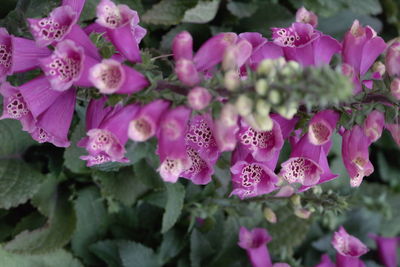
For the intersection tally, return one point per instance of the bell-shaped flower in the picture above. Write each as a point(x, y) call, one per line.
point(305, 16)
point(146, 123)
point(387, 249)
point(254, 242)
point(373, 125)
point(172, 144)
point(122, 27)
point(261, 49)
point(262, 145)
point(61, 24)
point(321, 126)
point(307, 164)
point(355, 155)
point(394, 129)
point(392, 59)
point(200, 169)
point(361, 47)
point(302, 43)
point(107, 132)
point(67, 66)
point(110, 76)
point(325, 262)
point(349, 249)
point(18, 54)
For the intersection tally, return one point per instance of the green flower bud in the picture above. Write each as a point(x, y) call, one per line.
point(274, 97)
point(231, 80)
point(269, 215)
point(244, 105)
point(296, 200)
point(261, 87)
point(262, 107)
point(266, 66)
point(288, 111)
point(259, 123)
point(302, 213)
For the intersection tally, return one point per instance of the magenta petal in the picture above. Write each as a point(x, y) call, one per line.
point(82, 39)
point(182, 46)
point(96, 112)
point(287, 126)
point(348, 245)
point(6, 54)
point(387, 249)
point(321, 126)
point(325, 262)
point(187, 73)
point(134, 81)
point(39, 95)
point(324, 48)
point(76, 5)
point(201, 169)
point(372, 49)
point(125, 42)
point(254, 242)
point(373, 125)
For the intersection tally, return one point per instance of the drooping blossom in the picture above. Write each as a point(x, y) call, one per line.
point(307, 165)
point(387, 249)
point(172, 144)
point(349, 249)
point(110, 76)
point(18, 54)
point(198, 98)
point(305, 16)
point(121, 25)
point(355, 155)
point(321, 126)
point(68, 65)
point(302, 43)
point(373, 125)
point(325, 262)
point(392, 59)
point(107, 132)
point(61, 24)
point(146, 123)
point(254, 242)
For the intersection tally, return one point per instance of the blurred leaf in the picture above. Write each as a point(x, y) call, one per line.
point(59, 258)
point(387, 173)
point(107, 250)
point(242, 9)
point(136, 255)
point(73, 152)
point(168, 12)
point(173, 208)
point(173, 242)
point(147, 175)
point(203, 12)
point(200, 248)
point(92, 222)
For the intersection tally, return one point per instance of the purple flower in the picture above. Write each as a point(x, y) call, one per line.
point(395, 88)
point(348, 248)
point(76, 5)
point(387, 249)
point(325, 262)
point(236, 55)
point(172, 144)
point(355, 155)
point(122, 27)
point(186, 71)
point(373, 125)
point(18, 54)
point(393, 59)
point(394, 129)
point(61, 25)
point(182, 46)
point(302, 43)
point(305, 16)
point(145, 124)
point(254, 242)
point(110, 76)
point(201, 168)
point(321, 127)
point(107, 132)
point(67, 66)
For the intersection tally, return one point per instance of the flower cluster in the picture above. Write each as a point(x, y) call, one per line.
point(254, 121)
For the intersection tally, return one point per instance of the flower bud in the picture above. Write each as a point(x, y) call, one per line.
point(244, 105)
point(392, 59)
point(187, 72)
point(261, 87)
point(296, 200)
point(379, 68)
point(373, 125)
point(259, 123)
point(269, 215)
point(302, 213)
point(229, 60)
point(266, 66)
point(231, 80)
point(262, 107)
point(229, 115)
point(182, 46)
point(199, 98)
point(274, 97)
point(288, 111)
point(395, 88)
point(305, 16)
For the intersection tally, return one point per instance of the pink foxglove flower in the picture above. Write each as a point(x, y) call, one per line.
point(187, 73)
point(61, 24)
point(394, 129)
point(254, 242)
point(387, 249)
point(67, 66)
point(321, 127)
point(373, 125)
point(349, 249)
point(355, 155)
point(305, 16)
point(107, 132)
point(172, 144)
point(302, 43)
point(110, 76)
point(18, 54)
point(199, 98)
point(145, 124)
point(325, 262)
point(395, 88)
point(76, 5)
point(182, 46)
point(393, 59)
point(122, 27)
point(201, 168)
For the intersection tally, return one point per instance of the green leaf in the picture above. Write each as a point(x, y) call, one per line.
point(59, 258)
point(53, 202)
point(242, 9)
point(17, 140)
point(107, 250)
point(173, 208)
point(200, 248)
point(203, 12)
point(173, 242)
point(168, 12)
point(73, 152)
point(147, 175)
point(123, 186)
point(136, 255)
point(92, 222)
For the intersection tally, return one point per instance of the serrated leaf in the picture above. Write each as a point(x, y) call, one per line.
point(73, 152)
point(57, 231)
point(242, 9)
point(59, 258)
point(173, 208)
point(203, 12)
point(123, 186)
point(107, 250)
point(92, 222)
point(168, 12)
point(17, 140)
point(136, 255)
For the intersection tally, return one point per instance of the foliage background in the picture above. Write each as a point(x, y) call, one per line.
point(54, 211)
